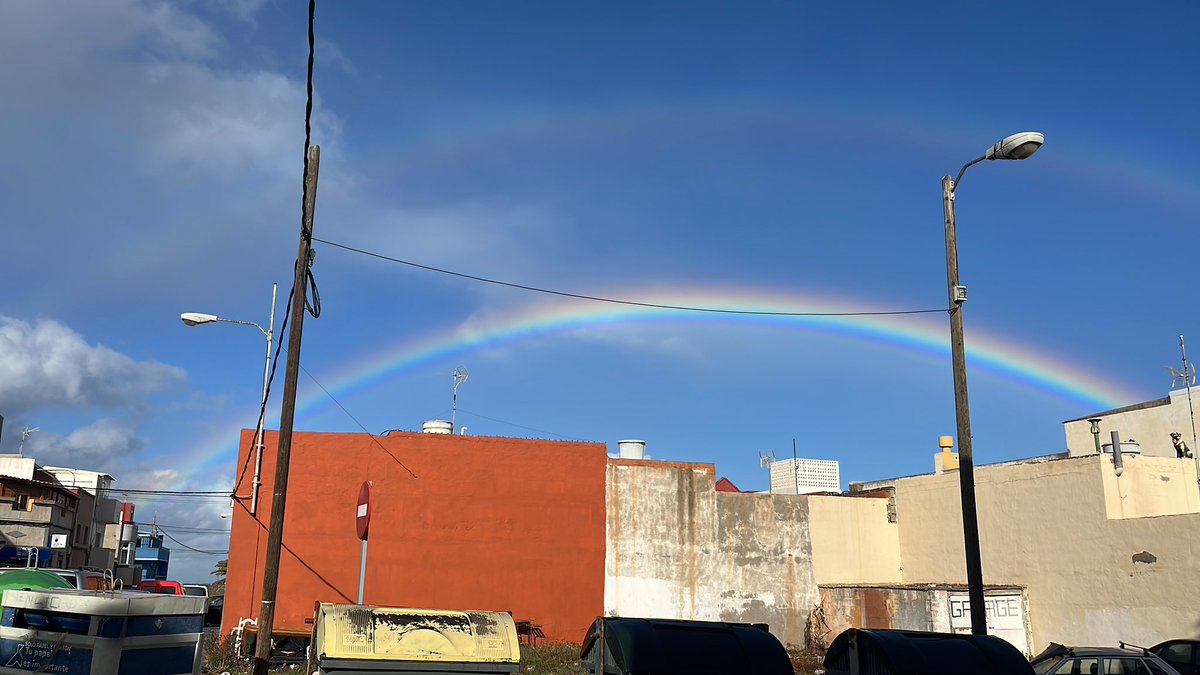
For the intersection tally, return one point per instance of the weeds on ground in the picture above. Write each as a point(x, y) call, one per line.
point(221, 657)
point(806, 660)
point(551, 658)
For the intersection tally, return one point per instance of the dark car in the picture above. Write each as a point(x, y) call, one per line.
point(212, 616)
point(1183, 655)
point(1059, 660)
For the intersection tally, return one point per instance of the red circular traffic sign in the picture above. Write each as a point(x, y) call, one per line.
point(363, 518)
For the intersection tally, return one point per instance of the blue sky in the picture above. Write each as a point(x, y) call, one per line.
point(779, 156)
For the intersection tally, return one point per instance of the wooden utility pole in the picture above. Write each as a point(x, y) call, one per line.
point(270, 585)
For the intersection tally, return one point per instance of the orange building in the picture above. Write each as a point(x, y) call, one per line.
point(458, 522)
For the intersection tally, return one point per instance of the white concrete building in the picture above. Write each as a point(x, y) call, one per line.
point(805, 476)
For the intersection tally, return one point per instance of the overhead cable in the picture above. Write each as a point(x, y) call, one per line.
point(618, 301)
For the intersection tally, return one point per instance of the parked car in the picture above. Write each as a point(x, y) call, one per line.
point(160, 586)
point(1059, 660)
point(1183, 655)
point(212, 616)
point(84, 578)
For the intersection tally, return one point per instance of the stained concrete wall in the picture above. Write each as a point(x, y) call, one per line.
point(459, 522)
point(1044, 526)
point(679, 549)
point(1150, 424)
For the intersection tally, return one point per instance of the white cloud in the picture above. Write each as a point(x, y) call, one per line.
point(46, 364)
point(99, 446)
point(504, 242)
point(242, 9)
point(329, 53)
point(146, 73)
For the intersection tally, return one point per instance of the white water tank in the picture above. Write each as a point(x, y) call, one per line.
point(1129, 447)
point(631, 449)
point(437, 427)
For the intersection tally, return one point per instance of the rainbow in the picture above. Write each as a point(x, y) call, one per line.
point(926, 334)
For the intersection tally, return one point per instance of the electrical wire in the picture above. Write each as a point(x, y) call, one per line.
point(165, 492)
point(185, 528)
point(190, 548)
point(360, 424)
point(618, 301)
point(262, 411)
point(308, 280)
point(513, 424)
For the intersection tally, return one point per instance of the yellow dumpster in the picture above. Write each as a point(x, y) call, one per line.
point(349, 639)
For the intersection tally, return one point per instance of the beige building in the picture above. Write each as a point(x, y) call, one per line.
point(1073, 551)
point(1101, 556)
point(1149, 423)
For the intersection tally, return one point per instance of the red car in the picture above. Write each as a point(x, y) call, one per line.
point(166, 587)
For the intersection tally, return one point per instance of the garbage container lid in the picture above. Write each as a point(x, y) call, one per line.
point(674, 647)
point(897, 652)
point(29, 579)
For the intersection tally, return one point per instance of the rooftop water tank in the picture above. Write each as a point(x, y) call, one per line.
point(1127, 447)
point(437, 427)
point(631, 449)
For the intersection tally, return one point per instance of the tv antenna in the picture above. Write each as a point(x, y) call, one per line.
point(1187, 373)
point(766, 458)
point(25, 434)
point(460, 377)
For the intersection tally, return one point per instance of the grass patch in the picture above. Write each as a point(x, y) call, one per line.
point(551, 658)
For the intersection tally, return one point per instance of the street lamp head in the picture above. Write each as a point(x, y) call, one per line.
point(1017, 146)
point(195, 319)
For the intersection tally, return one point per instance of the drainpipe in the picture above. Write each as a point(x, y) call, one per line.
point(1116, 443)
point(1096, 432)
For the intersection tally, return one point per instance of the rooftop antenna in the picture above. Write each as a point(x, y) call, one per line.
point(795, 466)
point(1188, 375)
point(25, 434)
point(766, 458)
point(460, 377)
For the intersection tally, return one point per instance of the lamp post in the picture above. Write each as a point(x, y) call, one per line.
point(1017, 146)
point(196, 319)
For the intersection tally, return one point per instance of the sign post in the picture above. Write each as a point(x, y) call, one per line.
point(361, 522)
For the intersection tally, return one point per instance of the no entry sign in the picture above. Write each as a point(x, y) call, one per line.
point(363, 519)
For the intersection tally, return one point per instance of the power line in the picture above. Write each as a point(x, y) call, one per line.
point(215, 493)
point(513, 424)
point(360, 424)
point(190, 548)
point(618, 301)
point(185, 527)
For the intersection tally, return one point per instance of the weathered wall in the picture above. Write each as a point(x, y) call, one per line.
point(486, 523)
point(852, 540)
point(1150, 426)
point(679, 549)
point(1044, 526)
point(923, 608)
point(844, 607)
point(1150, 486)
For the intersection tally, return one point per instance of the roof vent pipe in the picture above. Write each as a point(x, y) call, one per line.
point(631, 449)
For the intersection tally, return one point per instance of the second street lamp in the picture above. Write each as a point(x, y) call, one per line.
point(1017, 146)
point(196, 319)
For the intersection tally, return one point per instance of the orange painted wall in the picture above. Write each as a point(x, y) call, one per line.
point(488, 523)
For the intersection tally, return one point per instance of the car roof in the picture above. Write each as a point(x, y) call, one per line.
point(1056, 649)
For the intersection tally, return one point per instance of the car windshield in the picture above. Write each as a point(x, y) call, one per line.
point(191, 590)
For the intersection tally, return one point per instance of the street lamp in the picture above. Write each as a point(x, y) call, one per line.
point(196, 319)
point(1017, 146)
